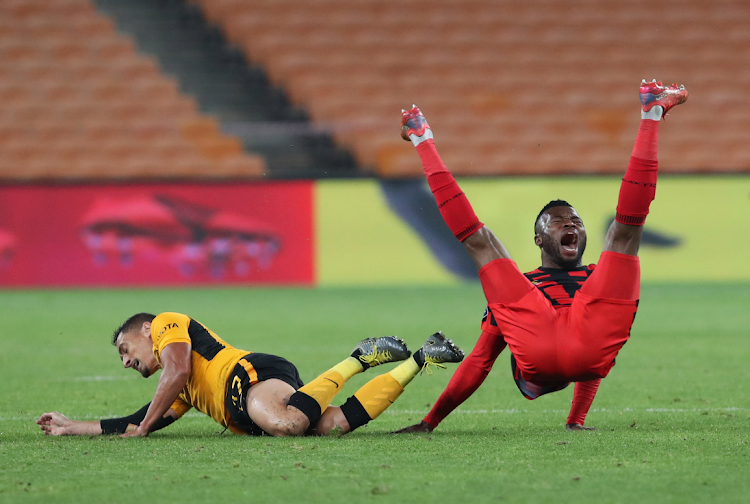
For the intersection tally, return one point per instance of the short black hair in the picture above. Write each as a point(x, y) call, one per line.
point(133, 322)
point(551, 204)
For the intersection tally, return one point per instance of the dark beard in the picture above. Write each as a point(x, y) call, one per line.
point(552, 248)
point(145, 372)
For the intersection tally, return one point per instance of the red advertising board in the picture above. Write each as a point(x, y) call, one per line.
point(157, 234)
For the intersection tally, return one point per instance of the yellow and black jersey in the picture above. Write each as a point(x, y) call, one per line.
point(213, 360)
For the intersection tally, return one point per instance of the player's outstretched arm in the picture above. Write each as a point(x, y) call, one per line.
point(176, 365)
point(57, 424)
point(453, 204)
point(131, 422)
point(484, 247)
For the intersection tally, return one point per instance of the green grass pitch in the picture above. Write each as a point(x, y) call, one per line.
point(673, 415)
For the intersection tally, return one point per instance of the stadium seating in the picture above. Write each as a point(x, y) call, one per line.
point(513, 87)
point(78, 102)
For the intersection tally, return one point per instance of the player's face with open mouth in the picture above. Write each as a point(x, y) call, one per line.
point(136, 352)
point(563, 236)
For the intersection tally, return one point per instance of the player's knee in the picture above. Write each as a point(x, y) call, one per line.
point(287, 427)
point(333, 421)
point(283, 422)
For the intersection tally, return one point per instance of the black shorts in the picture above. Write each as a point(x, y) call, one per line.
point(265, 366)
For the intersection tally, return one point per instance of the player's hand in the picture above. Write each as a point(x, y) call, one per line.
point(577, 426)
point(420, 427)
point(54, 423)
point(137, 432)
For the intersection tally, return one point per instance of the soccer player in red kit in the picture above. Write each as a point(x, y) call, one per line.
point(563, 322)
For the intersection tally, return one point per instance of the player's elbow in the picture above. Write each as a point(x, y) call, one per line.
point(182, 376)
point(179, 376)
point(484, 247)
point(178, 369)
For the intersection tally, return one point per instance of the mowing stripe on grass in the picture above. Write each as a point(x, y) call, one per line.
point(511, 411)
point(391, 411)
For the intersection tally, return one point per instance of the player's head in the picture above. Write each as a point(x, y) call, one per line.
point(133, 342)
point(560, 234)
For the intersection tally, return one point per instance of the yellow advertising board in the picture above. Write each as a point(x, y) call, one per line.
point(361, 241)
point(698, 228)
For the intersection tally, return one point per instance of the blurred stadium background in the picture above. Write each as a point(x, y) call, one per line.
point(191, 133)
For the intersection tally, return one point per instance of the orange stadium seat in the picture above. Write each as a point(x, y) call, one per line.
point(564, 72)
point(79, 102)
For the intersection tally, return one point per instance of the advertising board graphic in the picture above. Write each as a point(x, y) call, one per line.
point(697, 230)
point(7, 248)
point(343, 232)
point(157, 234)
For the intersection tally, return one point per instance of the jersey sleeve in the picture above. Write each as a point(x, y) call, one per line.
point(180, 406)
point(489, 325)
point(168, 328)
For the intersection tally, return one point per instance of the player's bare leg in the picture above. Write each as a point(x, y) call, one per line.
point(332, 421)
point(481, 244)
point(639, 183)
point(267, 407)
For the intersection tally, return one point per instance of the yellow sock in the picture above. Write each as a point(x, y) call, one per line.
point(405, 372)
point(349, 367)
point(379, 393)
point(325, 387)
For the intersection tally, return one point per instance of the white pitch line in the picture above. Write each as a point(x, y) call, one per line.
point(101, 378)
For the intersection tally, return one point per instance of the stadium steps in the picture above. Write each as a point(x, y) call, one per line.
point(79, 103)
point(238, 95)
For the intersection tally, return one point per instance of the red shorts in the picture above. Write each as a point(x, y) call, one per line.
point(569, 343)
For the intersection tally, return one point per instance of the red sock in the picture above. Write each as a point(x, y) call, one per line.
point(467, 378)
point(638, 187)
point(451, 201)
point(582, 398)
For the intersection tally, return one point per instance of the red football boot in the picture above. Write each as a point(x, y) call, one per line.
point(414, 123)
point(654, 93)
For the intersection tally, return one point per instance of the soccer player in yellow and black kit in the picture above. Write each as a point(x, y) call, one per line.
point(246, 392)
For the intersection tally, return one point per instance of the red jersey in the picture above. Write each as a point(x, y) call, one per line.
point(557, 285)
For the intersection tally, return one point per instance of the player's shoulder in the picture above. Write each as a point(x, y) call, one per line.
point(169, 320)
